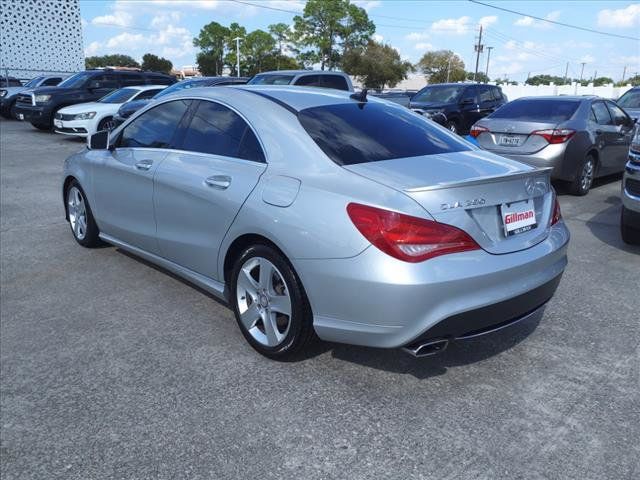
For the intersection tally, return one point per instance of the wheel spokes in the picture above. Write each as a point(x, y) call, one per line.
point(247, 284)
point(250, 316)
point(271, 328)
point(281, 304)
point(265, 275)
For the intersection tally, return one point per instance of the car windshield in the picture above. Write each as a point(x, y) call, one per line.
point(176, 87)
point(631, 99)
point(33, 82)
point(119, 96)
point(445, 94)
point(534, 110)
point(351, 133)
point(271, 80)
point(76, 80)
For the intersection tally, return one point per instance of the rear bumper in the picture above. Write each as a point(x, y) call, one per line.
point(550, 156)
point(375, 300)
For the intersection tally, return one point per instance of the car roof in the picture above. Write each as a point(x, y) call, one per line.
point(302, 72)
point(145, 87)
point(575, 98)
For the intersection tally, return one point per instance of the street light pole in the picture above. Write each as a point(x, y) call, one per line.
point(237, 39)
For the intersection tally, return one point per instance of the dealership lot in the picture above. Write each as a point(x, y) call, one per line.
point(112, 368)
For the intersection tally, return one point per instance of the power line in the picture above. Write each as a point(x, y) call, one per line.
point(584, 29)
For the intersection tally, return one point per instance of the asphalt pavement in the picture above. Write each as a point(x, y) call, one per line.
point(111, 368)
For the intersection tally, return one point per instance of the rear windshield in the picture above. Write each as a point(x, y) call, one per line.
point(351, 133)
point(183, 85)
point(445, 94)
point(271, 80)
point(119, 96)
point(631, 99)
point(538, 110)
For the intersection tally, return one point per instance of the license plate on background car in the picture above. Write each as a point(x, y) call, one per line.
point(518, 217)
point(21, 116)
point(510, 141)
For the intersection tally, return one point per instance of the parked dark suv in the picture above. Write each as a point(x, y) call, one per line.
point(39, 106)
point(462, 104)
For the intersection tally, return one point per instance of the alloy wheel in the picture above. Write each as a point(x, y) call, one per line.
point(77, 212)
point(586, 178)
point(264, 302)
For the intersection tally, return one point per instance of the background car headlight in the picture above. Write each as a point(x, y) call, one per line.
point(635, 143)
point(42, 98)
point(3, 93)
point(85, 116)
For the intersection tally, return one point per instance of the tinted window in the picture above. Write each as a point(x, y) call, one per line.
point(444, 94)
point(131, 79)
point(160, 80)
point(181, 86)
point(601, 113)
point(309, 81)
point(619, 117)
point(631, 99)
point(77, 80)
point(119, 96)
point(484, 94)
point(334, 81)
point(357, 133)
point(497, 93)
point(33, 82)
point(538, 110)
point(271, 80)
point(218, 130)
point(104, 81)
point(155, 128)
point(148, 94)
point(51, 82)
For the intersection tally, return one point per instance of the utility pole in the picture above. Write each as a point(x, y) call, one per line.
point(566, 72)
point(595, 75)
point(624, 73)
point(237, 39)
point(449, 67)
point(582, 70)
point(488, 58)
point(478, 49)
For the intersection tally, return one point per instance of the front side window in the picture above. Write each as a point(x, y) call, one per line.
point(155, 128)
point(218, 130)
point(601, 113)
point(334, 81)
point(435, 94)
point(119, 96)
point(77, 80)
point(630, 99)
point(147, 94)
point(351, 133)
point(619, 117)
point(33, 82)
point(51, 82)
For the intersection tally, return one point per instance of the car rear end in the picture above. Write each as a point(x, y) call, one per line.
point(545, 132)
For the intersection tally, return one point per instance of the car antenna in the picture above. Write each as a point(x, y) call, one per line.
point(360, 97)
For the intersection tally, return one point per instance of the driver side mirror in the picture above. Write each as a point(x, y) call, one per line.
point(93, 84)
point(99, 140)
point(468, 101)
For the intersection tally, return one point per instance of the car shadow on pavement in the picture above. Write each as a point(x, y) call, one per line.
point(607, 230)
point(562, 188)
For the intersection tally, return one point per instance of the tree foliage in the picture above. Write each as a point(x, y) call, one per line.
point(598, 82)
point(211, 41)
point(480, 77)
point(634, 81)
point(434, 66)
point(546, 80)
point(376, 65)
point(115, 60)
point(157, 64)
point(328, 28)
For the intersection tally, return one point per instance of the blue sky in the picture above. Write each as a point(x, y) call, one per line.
point(521, 43)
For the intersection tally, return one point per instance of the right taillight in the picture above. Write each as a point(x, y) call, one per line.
point(557, 214)
point(408, 238)
point(555, 135)
point(477, 130)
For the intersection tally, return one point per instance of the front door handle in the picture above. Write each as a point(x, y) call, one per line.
point(144, 164)
point(220, 182)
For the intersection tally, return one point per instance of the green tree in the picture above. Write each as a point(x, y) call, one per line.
point(435, 65)
point(155, 63)
point(281, 34)
point(115, 60)
point(211, 41)
point(598, 82)
point(545, 80)
point(258, 46)
point(329, 27)
point(634, 81)
point(480, 77)
point(376, 65)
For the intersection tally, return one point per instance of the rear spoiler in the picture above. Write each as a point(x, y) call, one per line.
point(546, 171)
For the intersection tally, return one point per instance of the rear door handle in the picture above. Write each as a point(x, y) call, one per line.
point(221, 182)
point(144, 164)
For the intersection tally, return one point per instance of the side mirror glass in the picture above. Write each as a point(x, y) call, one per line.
point(99, 140)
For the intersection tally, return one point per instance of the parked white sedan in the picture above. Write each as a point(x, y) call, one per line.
point(84, 119)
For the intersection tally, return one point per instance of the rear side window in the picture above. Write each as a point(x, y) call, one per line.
point(272, 79)
point(218, 130)
point(352, 133)
point(619, 117)
point(497, 94)
point(309, 81)
point(484, 94)
point(601, 113)
point(334, 81)
point(105, 81)
point(147, 94)
point(155, 128)
point(131, 79)
point(538, 110)
point(159, 80)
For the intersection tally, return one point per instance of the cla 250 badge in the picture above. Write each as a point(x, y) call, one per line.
point(476, 202)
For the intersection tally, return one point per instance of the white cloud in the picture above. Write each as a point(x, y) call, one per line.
point(622, 18)
point(92, 49)
point(423, 46)
point(416, 36)
point(490, 20)
point(587, 58)
point(368, 5)
point(454, 26)
point(530, 22)
point(126, 39)
point(524, 22)
point(119, 18)
point(165, 18)
point(378, 38)
point(627, 60)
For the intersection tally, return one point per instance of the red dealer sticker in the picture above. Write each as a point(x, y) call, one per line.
point(518, 217)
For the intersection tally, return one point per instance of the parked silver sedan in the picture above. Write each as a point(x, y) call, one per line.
point(323, 213)
point(630, 217)
point(580, 138)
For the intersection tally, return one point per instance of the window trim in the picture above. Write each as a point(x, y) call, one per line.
point(607, 103)
point(612, 124)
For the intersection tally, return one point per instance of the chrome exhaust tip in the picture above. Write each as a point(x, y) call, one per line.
point(426, 349)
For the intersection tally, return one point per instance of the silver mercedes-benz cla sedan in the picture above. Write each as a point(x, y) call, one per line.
point(318, 213)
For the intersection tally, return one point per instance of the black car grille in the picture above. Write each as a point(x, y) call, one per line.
point(64, 116)
point(632, 186)
point(24, 99)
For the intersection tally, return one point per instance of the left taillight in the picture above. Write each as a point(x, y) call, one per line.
point(476, 130)
point(408, 238)
point(555, 135)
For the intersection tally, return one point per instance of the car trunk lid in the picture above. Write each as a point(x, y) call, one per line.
point(513, 137)
point(472, 190)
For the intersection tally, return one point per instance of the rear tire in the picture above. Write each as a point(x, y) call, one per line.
point(630, 232)
point(584, 177)
point(83, 225)
point(269, 303)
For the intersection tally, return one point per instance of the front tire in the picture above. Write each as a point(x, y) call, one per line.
point(106, 123)
point(83, 225)
point(584, 177)
point(630, 233)
point(269, 303)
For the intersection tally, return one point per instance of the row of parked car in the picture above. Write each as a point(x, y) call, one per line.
point(579, 138)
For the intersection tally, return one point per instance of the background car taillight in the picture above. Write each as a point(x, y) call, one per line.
point(408, 238)
point(557, 214)
point(477, 130)
point(555, 135)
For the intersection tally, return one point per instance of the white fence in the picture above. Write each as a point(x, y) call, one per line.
point(607, 91)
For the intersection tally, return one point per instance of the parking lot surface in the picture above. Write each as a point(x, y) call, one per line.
point(112, 368)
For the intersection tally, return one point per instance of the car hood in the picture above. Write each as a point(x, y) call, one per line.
point(13, 90)
point(90, 107)
point(54, 90)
